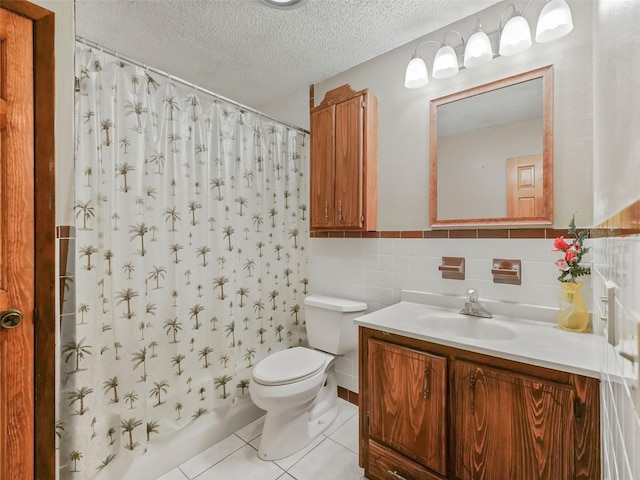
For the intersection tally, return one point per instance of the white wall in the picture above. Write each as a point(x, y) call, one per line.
point(403, 115)
point(375, 270)
point(616, 113)
point(472, 168)
point(293, 108)
point(616, 166)
point(65, 57)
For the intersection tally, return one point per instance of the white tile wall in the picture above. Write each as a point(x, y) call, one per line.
point(376, 270)
point(618, 260)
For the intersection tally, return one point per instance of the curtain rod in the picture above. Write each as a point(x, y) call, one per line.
point(173, 78)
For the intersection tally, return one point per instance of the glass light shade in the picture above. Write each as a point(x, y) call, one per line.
point(555, 21)
point(416, 75)
point(445, 64)
point(478, 50)
point(516, 36)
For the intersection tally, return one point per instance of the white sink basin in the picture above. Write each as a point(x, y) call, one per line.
point(468, 327)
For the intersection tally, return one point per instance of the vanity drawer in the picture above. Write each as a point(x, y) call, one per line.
point(385, 464)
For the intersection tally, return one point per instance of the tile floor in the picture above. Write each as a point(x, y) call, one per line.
point(333, 455)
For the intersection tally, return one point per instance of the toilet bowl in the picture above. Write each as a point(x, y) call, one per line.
point(298, 387)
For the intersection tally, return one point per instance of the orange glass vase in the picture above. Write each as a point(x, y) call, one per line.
point(573, 314)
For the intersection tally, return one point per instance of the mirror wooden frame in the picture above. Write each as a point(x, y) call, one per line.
point(546, 74)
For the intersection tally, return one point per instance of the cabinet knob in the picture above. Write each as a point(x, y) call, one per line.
point(340, 217)
point(10, 318)
point(326, 211)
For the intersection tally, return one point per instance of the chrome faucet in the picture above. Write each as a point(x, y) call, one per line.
point(472, 306)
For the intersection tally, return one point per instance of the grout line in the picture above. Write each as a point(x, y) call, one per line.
point(323, 437)
point(223, 458)
point(300, 459)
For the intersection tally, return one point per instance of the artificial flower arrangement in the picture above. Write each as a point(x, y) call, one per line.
point(569, 264)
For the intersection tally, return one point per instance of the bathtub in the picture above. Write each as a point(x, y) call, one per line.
point(171, 450)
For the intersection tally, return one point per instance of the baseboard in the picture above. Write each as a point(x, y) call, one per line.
point(349, 396)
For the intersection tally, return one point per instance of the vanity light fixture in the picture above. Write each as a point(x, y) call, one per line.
point(416, 75)
point(445, 64)
point(555, 21)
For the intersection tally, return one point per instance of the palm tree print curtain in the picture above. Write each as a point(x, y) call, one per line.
point(190, 259)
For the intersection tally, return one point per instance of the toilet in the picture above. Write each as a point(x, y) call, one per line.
point(298, 387)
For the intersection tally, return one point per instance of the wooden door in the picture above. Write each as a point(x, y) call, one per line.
point(512, 426)
point(323, 173)
point(524, 187)
point(16, 247)
point(407, 409)
point(349, 163)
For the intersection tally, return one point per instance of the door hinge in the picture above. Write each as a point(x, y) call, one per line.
point(362, 218)
point(35, 316)
point(362, 104)
point(367, 419)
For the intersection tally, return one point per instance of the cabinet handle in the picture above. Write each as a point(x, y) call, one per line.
point(326, 211)
point(427, 381)
point(340, 217)
point(472, 385)
point(578, 408)
point(396, 474)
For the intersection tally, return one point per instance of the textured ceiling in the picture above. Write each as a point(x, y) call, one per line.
point(255, 54)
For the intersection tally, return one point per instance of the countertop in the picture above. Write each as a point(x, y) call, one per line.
point(534, 342)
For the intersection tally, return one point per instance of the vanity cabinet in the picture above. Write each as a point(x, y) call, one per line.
point(429, 411)
point(343, 172)
point(408, 401)
point(511, 425)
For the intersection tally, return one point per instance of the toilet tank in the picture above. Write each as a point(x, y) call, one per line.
point(330, 326)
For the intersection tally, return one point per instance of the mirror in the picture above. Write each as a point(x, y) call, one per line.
point(491, 153)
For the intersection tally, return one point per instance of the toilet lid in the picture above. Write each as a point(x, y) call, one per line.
point(288, 366)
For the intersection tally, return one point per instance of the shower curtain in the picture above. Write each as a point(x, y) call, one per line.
point(191, 230)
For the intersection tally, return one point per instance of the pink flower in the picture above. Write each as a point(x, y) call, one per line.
point(569, 255)
point(562, 264)
point(560, 244)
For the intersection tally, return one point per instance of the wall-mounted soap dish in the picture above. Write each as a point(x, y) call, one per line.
point(507, 271)
point(452, 268)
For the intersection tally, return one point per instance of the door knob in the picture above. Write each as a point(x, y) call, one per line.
point(10, 318)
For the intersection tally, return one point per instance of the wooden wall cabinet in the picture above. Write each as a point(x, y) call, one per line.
point(433, 412)
point(344, 151)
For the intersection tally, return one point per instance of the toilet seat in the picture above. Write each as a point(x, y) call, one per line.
point(289, 366)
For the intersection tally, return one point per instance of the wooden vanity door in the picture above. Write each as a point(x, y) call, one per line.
point(407, 409)
point(510, 426)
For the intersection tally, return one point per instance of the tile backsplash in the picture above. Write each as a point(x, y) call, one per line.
point(375, 270)
point(617, 260)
